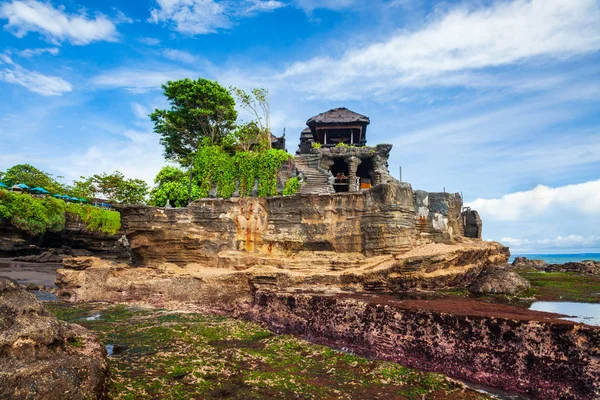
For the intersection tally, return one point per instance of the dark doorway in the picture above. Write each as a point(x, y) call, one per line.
point(365, 173)
point(339, 169)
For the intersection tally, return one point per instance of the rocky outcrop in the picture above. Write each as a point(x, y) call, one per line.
point(495, 345)
point(524, 262)
point(583, 267)
point(498, 280)
point(73, 238)
point(43, 358)
point(380, 221)
point(238, 276)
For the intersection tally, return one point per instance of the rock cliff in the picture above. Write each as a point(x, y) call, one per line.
point(75, 235)
point(43, 358)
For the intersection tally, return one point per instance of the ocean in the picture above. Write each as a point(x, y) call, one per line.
point(558, 258)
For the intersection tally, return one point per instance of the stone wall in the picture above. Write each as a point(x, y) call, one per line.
point(439, 215)
point(382, 220)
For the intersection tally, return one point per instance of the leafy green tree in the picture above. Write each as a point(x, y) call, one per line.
point(83, 188)
point(115, 187)
point(202, 112)
point(172, 186)
point(257, 104)
point(32, 177)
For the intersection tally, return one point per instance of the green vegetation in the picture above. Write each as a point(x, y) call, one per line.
point(291, 187)
point(563, 286)
point(38, 215)
point(316, 145)
point(172, 355)
point(113, 187)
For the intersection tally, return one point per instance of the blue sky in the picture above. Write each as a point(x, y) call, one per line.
point(499, 100)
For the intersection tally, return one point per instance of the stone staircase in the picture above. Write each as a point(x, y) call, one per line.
point(315, 179)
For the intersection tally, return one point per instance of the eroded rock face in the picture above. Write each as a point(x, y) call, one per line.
point(75, 236)
point(496, 280)
point(583, 267)
point(524, 262)
point(43, 358)
point(499, 346)
point(239, 275)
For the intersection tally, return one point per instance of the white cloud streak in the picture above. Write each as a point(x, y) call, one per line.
point(55, 24)
point(35, 81)
point(29, 53)
point(559, 242)
point(582, 199)
point(463, 39)
point(140, 80)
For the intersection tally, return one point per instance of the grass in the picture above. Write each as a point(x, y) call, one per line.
point(563, 286)
point(162, 354)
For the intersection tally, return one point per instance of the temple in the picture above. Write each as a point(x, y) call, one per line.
point(333, 157)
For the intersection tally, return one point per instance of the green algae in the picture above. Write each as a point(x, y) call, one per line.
point(563, 286)
point(162, 354)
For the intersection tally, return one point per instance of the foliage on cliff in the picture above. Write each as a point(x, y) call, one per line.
point(32, 177)
point(218, 167)
point(38, 215)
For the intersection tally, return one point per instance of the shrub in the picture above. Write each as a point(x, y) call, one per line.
point(291, 187)
point(316, 145)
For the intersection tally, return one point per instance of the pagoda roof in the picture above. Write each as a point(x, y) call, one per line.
point(339, 115)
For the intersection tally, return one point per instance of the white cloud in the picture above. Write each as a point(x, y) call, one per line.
point(560, 242)
point(136, 154)
point(140, 80)
point(582, 199)
point(28, 53)
point(192, 17)
point(35, 81)
point(310, 5)
point(149, 41)
point(55, 24)
point(180, 55)
point(463, 39)
point(140, 111)
point(199, 17)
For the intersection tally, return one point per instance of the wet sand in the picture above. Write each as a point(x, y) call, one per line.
point(24, 272)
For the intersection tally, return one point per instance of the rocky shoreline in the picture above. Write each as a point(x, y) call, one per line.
point(589, 267)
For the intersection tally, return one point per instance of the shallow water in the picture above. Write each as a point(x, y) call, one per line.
point(24, 273)
point(558, 258)
point(586, 313)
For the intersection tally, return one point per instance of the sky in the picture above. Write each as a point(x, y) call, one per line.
point(496, 99)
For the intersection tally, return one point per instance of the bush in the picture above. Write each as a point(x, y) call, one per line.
point(291, 187)
point(316, 145)
point(38, 215)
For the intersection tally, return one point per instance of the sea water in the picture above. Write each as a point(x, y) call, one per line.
point(558, 258)
point(586, 313)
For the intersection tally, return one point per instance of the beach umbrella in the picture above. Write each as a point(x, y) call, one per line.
point(40, 190)
point(58, 196)
point(83, 200)
point(73, 199)
point(22, 186)
point(3, 185)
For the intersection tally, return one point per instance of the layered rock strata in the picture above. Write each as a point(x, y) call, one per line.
point(499, 346)
point(74, 237)
point(43, 358)
point(382, 221)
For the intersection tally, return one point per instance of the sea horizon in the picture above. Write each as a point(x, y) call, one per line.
point(557, 258)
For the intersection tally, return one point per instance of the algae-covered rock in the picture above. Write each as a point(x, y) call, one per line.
point(499, 281)
point(43, 358)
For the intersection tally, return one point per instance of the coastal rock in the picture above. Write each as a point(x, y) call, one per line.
point(583, 267)
point(43, 358)
point(45, 257)
point(495, 345)
point(75, 236)
point(434, 266)
point(524, 262)
point(497, 280)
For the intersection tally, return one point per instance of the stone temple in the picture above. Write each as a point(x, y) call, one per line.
point(333, 157)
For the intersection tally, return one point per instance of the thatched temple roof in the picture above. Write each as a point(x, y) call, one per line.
point(338, 116)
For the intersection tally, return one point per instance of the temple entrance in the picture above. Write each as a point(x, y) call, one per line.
point(339, 170)
point(366, 174)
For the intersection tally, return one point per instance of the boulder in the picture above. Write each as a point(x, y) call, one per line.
point(523, 262)
point(42, 357)
point(80, 263)
point(45, 257)
point(583, 267)
point(499, 281)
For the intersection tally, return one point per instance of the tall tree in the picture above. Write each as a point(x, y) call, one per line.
point(120, 189)
point(202, 112)
point(257, 104)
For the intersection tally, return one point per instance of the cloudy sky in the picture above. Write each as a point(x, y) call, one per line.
point(499, 100)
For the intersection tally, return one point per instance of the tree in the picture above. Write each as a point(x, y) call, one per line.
point(32, 177)
point(83, 188)
point(115, 187)
point(202, 112)
point(257, 104)
point(172, 186)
